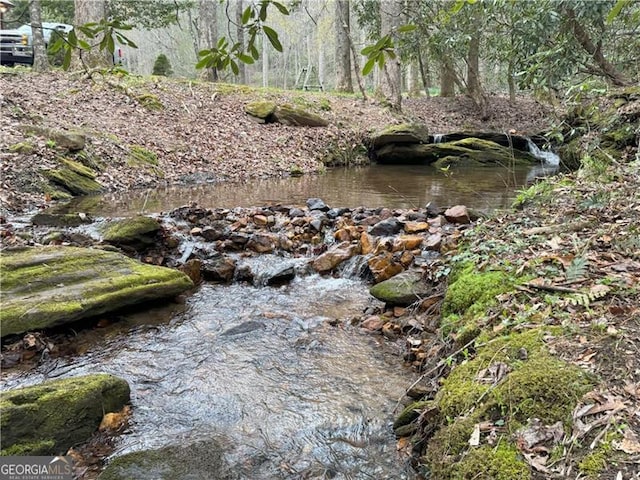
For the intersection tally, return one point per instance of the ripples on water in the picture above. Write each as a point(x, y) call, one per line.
point(261, 372)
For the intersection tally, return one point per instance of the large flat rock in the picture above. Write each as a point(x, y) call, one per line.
point(48, 286)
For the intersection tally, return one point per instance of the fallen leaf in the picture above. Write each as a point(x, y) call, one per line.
point(474, 440)
point(629, 443)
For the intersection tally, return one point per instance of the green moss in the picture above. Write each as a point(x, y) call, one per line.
point(42, 447)
point(474, 290)
point(542, 387)
point(150, 101)
point(446, 446)
point(131, 231)
point(78, 168)
point(55, 193)
point(49, 286)
point(501, 462)
point(49, 418)
point(140, 157)
point(410, 413)
point(22, 147)
point(261, 109)
point(90, 161)
point(76, 183)
point(596, 462)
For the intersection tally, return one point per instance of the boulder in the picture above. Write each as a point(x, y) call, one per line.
point(261, 110)
point(317, 204)
point(386, 228)
point(457, 214)
point(48, 286)
point(71, 140)
point(518, 142)
point(49, 418)
point(469, 151)
point(297, 117)
point(402, 289)
point(202, 460)
point(219, 269)
point(74, 177)
point(135, 232)
point(405, 133)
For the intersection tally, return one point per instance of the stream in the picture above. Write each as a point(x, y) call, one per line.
point(275, 380)
point(259, 373)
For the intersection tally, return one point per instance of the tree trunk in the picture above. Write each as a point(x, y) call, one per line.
point(242, 75)
point(356, 67)
point(512, 82)
point(87, 11)
point(582, 35)
point(265, 62)
point(447, 79)
point(473, 64)
point(208, 32)
point(390, 19)
point(424, 73)
point(343, 57)
point(40, 61)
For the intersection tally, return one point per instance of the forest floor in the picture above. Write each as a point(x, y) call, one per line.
point(200, 131)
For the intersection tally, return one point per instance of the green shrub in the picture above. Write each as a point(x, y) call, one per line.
point(162, 66)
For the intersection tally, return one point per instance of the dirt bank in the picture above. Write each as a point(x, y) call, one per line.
point(185, 131)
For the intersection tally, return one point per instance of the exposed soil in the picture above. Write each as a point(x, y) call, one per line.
point(200, 131)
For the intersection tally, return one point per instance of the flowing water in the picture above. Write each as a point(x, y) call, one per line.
point(259, 373)
point(401, 186)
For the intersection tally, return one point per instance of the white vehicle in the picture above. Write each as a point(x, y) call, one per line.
point(16, 46)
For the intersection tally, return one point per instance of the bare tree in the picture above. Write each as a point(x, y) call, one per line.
point(40, 61)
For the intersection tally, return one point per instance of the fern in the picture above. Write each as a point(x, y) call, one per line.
point(577, 269)
point(584, 299)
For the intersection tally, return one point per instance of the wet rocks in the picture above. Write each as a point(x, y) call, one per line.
point(333, 257)
point(457, 214)
point(403, 289)
point(386, 228)
point(136, 232)
point(219, 269)
point(47, 286)
point(66, 412)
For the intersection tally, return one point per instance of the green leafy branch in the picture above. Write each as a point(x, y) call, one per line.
point(106, 31)
point(224, 55)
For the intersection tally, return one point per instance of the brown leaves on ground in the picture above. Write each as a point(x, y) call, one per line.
point(199, 131)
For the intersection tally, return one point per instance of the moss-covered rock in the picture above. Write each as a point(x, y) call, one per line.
point(136, 231)
point(49, 286)
point(469, 151)
point(402, 289)
point(140, 157)
point(411, 412)
point(75, 177)
point(22, 147)
point(404, 133)
point(60, 220)
point(501, 462)
point(71, 140)
point(260, 109)
point(48, 419)
point(200, 460)
point(297, 117)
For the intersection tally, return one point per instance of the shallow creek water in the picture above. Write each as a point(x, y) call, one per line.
point(258, 372)
point(391, 186)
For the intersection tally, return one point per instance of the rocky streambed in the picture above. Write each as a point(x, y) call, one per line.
point(285, 279)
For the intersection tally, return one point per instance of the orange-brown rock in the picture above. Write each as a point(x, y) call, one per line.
point(383, 267)
point(335, 256)
point(342, 235)
point(416, 227)
point(366, 243)
point(406, 242)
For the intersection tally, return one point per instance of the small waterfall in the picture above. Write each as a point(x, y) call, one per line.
point(547, 157)
point(438, 138)
point(356, 267)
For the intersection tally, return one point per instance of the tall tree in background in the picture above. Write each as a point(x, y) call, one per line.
point(87, 11)
point(242, 74)
point(343, 47)
point(40, 62)
point(208, 32)
point(391, 82)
